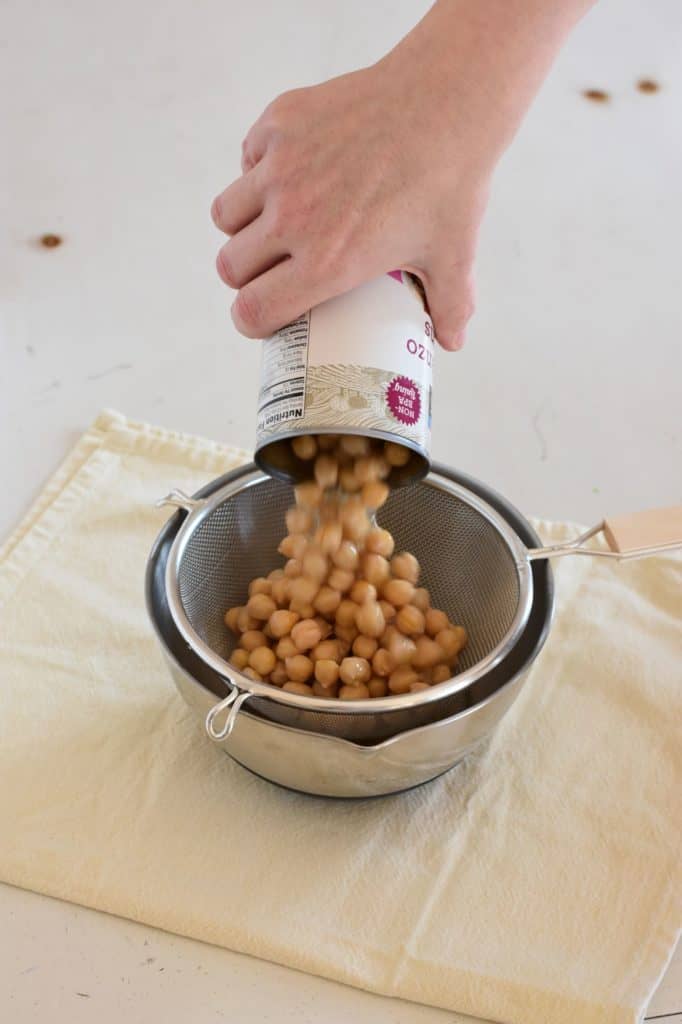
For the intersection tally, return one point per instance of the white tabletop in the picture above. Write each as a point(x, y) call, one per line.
point(120, 123)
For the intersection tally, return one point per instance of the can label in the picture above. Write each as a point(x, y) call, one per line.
point(359, 362)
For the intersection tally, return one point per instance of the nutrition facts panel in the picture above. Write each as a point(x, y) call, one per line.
point(285, 360)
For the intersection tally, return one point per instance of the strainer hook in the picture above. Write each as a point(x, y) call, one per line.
point(233, 702)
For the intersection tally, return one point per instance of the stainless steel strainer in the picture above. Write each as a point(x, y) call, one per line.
point(474, 564)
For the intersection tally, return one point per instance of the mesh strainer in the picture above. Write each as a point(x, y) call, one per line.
point(474, 564)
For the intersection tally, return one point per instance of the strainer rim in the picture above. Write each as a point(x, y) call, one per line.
point(203, 507)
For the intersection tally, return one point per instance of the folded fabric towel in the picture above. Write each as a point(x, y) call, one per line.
point(536, 883)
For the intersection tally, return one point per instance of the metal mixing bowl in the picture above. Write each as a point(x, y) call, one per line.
point(329, 766)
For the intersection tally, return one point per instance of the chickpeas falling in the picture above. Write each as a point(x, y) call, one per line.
point(345, 618)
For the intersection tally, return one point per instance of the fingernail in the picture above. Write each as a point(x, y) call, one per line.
point(215, 210)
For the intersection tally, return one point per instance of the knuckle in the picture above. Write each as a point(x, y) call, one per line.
point(247, 313)
point(226, 270)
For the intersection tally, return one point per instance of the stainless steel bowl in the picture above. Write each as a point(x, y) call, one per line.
point(329, 766)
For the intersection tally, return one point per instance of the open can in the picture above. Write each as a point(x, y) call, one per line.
point(360, 363)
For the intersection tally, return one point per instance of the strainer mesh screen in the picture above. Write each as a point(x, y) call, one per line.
point(465, 562)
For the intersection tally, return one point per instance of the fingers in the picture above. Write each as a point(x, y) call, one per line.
point(275, 298)
point(450, 295)
point(239, 204)
point(250, 253)
point(254, 145)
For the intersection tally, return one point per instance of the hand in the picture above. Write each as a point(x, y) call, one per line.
point(382, 168)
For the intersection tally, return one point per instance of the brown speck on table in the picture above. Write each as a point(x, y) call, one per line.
point(648, 85)
point(51, 241)
point(596, 95)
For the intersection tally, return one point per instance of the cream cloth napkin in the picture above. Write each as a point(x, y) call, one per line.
point(536, 883)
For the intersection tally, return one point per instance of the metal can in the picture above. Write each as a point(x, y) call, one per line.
point(360, 363)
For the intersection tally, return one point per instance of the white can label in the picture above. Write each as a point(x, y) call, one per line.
point(361, 361)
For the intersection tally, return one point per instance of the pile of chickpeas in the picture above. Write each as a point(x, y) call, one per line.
point(345, 617)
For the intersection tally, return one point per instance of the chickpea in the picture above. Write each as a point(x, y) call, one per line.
point(282, 622)
point(306, 634)
point(327, 650)
point(246, 621)
point(441, 673)
point(251, 673)
point(329, 692)
point(375, 569)
point(293, 545)
point(330, 538)
point(341, 580)
point(326, 672)
point(278, 676)
point(354, 444)
point(449, 640)
point(405, 567)
point(327, 442)
point(398, 592)
point(435, 621)
point(401, 679)
point(252, 639)
point(396, 454)
point(327, 600)
point(299, 519)
point(347, 634)
point(300, 688)
point(377, 687)
point(362, 591)
point(401, 649)
point(365, 646)
point(375, 493)
point(326, 628)
point(410, 620)
point(308, 494)
point(280, 591)
point(356, 524)
point(304, 446)
point(354, 671)
point(346, 555)
point(463, 636)
point(263, 660)
point(306, 611)
point(276, 574)
point(388, 610)
point(348, 481)
point(299, 668)
point(259, 586)
point(428, 653)
point(359, 692)
point(239, 658)
point(368, 468)
point(379, 542)
point(292, 569)
point(286, 648)
point(418, 686)
point(261, 606)
point(382, 663)
point(303, 590)
point(345, 613)
point(369, 619)
point(326, 471)
point(422, 599)
point(231, 616)
point(315, 564)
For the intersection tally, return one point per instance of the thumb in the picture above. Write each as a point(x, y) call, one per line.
point(450, 296)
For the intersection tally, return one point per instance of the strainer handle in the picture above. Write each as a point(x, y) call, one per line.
point(633, 536)
point(232, 703)
point(178, 499)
